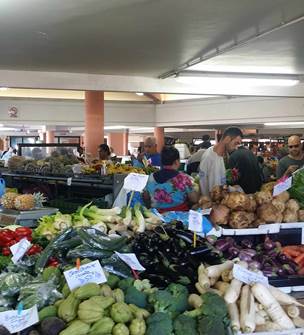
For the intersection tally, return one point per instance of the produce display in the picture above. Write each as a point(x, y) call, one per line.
point(239, 210)
point(252, 308)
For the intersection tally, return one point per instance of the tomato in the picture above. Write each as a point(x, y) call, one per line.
point(6, 251)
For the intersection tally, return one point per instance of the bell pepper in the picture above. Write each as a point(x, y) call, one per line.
point(23, 231)
point(34, 249)
point(6, 251)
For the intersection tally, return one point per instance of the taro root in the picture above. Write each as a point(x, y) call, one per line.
point(205, 202)
point(237, 201)
point(217, 193)
point(301, 215)
point(284, 196)
point(279, 204)
point(219, 215)
point(290, 216)
point(263, 197)
point(268, 213)
point(241, 219)
point(252, 203)
point(292, 205)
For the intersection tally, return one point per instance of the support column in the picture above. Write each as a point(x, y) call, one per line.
point(50, 136)
point(42, 136)
point(94, 121)
point(119, 142)
point(159, 133)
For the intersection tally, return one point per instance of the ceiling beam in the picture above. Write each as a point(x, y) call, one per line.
point(153, 98)
point(94, 82)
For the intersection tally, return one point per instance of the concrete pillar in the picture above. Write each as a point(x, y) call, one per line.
point(159, 133)
point(42, 136)
point(94, 121)
point(50, 136)
point(119, 142)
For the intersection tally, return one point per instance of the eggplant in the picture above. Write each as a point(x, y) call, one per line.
point(200, 250)
point(246, 243)
point(233, 252)
point(289, 269)
point(269, 244)
point(243, 256)
point(250, 252)
point(281, 272)
point(254, 265)
point(273, 252)
point(223, 245)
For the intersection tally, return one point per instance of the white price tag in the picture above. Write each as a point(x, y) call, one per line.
point(247, 276)
point(16, 321)
point(88, 273)
point(131, 260)
point(135, 182)
point(282, 186)
point(19, 249)
point(195, 221)
point(69, 181)
point(206, 211)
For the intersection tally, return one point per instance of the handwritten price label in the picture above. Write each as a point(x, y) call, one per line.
point(19, 249)
point(282, 186)
point(195, 221)
point(247, 276)
point(135, 182)
point(88, 273)
point(131, 260)
point(15, 321)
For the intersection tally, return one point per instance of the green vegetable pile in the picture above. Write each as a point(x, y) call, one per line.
point(297, 190)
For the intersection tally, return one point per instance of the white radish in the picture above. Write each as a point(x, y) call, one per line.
point(227, 276)
point(234, 317)
point(203, 278)
point(195, 301)
point(271, 306)
point(292, 311)
point(283, 298)
point(233, 292)
point(200, 289)
point(213, 280)
point(214, 271)
point(247, 310)
point(299, 322)
point(221, 286)
point(268, 327)
point(259, 319)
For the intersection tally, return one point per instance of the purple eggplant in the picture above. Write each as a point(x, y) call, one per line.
point(250, 252)
point(233, 252)
point(243, 256)
point(283, 258)
point(246, 244)
point(269, 273)
point(222, 245)
point(289, 269)
point(269, 244)
point(273, 252)
point(281, 272)
point(254, 265)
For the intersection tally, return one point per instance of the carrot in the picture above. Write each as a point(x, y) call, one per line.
point(299, 258)
point(292, 253)
point(294, 247)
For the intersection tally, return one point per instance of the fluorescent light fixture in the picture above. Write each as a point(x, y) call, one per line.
point(231, 79)
point(139, 93)
point(291, 123)
point(3, 88)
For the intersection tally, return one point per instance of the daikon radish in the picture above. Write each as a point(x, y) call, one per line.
point(221, 286)
point(247, 310)
point(213, 280)
point(268, 327)
point(283, 298)
point(259, 319)
point(299, 322)
point(202, 277)
point(234, 317)
point(264, 314)
point(292, 311)
point(271, 306)
point(227, 276)
point(233, 292)
point(200, 289)
point(218, 292)
point(216, 270)
point(195, 301)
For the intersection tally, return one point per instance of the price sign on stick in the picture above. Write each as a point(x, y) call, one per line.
point(247, 276)
point(19, 249)
point(195, 221)
point(15, 321)
point(88, 273)
point(131, 260)
point(135, 182)
point(282, 186)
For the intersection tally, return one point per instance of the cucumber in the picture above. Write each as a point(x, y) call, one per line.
point(47, 312)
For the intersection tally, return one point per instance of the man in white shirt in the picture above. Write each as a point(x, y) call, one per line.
point(212, 169)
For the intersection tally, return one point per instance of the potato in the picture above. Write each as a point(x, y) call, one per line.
point(263, 197)
point(241, 219)
point(237, 201)
point(252, 203)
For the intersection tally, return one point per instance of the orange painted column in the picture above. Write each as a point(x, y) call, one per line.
point(94, 121)
point(159, 133)
point(50, 136)
point(126, 142)
point(117, 142)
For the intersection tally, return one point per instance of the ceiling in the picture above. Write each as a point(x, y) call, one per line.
point(147, 37)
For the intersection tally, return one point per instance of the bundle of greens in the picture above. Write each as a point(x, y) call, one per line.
point(297, 189)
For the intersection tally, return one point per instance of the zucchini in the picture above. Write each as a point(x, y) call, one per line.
point(88, 252)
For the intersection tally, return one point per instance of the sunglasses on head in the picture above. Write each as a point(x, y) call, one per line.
point(293, 146)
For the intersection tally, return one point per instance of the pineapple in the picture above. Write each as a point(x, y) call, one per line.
point(8, 200)
point(26, 202)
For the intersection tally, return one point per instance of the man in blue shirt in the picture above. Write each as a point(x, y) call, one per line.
point(150, 154)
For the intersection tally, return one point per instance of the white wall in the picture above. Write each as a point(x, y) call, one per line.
point(71, 113)
point(232, 111)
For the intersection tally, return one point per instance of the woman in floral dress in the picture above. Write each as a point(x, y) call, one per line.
point(169, 189)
